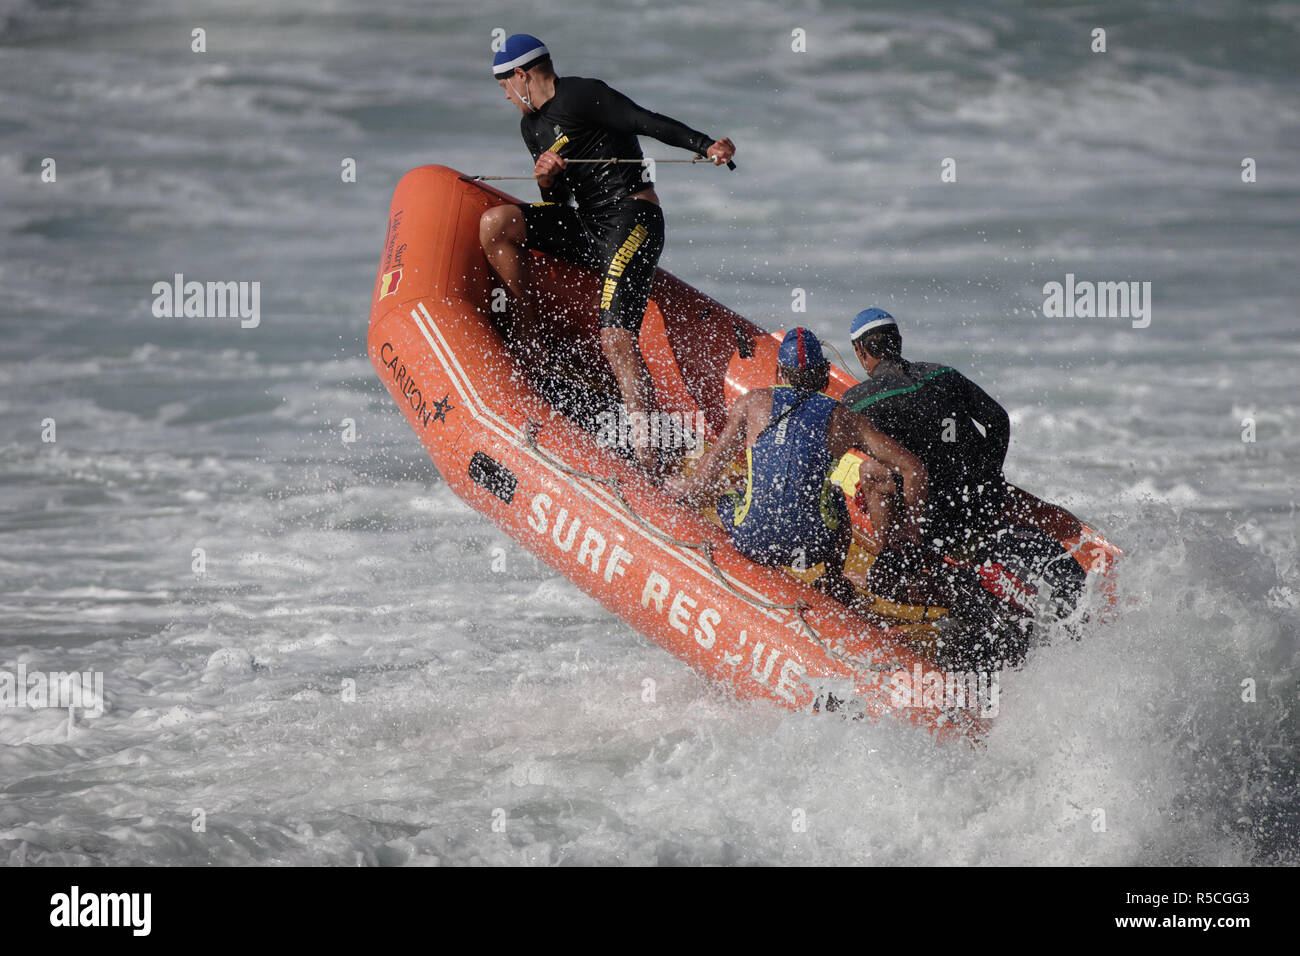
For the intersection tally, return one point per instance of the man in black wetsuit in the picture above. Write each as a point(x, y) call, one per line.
point(960, 435)
point(957, 431)
point(617, 228)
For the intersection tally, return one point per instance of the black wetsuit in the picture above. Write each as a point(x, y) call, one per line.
point(609, 232)
point(932, 411)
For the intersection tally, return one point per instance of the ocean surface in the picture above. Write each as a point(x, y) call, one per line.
point(488, 689)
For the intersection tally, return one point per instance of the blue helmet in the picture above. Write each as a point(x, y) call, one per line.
point(869, 320)
point(521, 50)
point(800, 349)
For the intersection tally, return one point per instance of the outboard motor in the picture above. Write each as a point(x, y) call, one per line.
point(1044, 565)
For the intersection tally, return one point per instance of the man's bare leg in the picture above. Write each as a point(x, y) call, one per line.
point(907, 583)
point(833, 581)
point(623, 353)
point(504, 237)
point(882, 498)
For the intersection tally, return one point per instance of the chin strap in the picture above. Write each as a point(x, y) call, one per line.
point(528, 100)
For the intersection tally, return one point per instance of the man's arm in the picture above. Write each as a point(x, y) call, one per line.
point(554, 188)
point(852, 430)
point(997, 427)
point(610, 108)
point(721, 454)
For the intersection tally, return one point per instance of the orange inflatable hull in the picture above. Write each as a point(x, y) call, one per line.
point(547, 483)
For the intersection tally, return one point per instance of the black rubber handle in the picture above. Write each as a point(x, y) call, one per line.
point(730, 164)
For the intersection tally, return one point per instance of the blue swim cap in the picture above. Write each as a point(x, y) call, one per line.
point(520, 50)
point(869, 320)
point(800, 349)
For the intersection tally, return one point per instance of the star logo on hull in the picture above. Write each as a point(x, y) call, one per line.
point(441, 408)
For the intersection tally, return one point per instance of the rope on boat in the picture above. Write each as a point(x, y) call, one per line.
point(641, 162)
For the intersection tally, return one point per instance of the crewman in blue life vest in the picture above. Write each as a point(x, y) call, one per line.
point(790, 514)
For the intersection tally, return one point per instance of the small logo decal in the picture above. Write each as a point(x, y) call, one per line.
point(389, 282)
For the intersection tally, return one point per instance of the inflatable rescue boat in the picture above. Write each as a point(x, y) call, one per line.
point(529, 454)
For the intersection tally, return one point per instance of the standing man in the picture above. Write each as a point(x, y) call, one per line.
point(617, 228)
point(791, 514)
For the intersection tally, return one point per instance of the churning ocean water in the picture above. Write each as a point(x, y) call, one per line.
point(488, 689)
